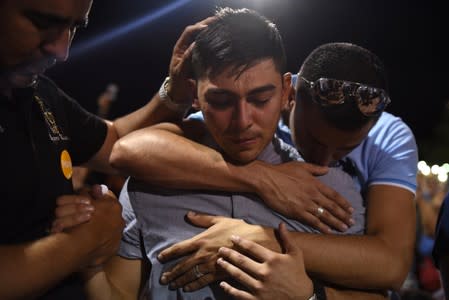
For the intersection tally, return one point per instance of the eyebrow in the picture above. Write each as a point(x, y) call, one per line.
point(58, 20)
point(258, 90)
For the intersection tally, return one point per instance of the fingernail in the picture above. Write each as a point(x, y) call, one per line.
point(351, 221)
point(344, 227)
point(191, 213)
point(104, 189)
point(220, 261)
point(89, 208)
point(351, 209)
point(222, 250)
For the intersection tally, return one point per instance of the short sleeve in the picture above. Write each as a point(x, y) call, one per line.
point(392, 154)
point(87, 131)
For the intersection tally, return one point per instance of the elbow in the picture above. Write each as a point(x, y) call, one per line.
point(398, 268)
point(120, 157)
point(398, 275)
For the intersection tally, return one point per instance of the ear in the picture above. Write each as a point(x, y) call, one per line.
point(288, 93)
point(194, 88)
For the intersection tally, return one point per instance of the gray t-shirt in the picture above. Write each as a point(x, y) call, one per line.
point(155, 217)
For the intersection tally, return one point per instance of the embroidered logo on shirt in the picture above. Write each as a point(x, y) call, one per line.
point(66, 164)
point(55, 133)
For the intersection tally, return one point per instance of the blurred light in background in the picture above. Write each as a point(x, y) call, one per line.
point(434, 169)
point(441, 172)
point(124, 29)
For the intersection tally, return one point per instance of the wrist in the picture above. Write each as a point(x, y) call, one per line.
point(168, 101)
point(246, 177)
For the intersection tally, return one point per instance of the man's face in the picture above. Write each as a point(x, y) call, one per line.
point(34, 35)
point(318, 141)
point(242, 111)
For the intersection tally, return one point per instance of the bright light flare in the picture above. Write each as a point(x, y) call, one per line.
point(122, 30)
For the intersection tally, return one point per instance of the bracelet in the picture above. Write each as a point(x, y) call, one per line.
point(168, 102)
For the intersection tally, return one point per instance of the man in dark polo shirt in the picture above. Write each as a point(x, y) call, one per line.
point(43, 132)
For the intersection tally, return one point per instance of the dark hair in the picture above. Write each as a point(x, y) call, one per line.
point(343, 61)
point(239, 38)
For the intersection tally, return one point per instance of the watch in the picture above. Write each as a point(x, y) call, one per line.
point(168, 102)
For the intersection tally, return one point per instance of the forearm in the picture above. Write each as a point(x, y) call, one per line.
point(153, 112)
point(166, 159)
point(28, 270)
point(117, 279)
point(363, 262)
point(344, 294)
point(381, 258)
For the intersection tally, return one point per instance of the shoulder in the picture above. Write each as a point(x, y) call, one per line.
point(390, 127)
point(389, 136)
point(51, 93)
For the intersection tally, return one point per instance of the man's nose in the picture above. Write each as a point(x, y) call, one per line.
point(243, 115)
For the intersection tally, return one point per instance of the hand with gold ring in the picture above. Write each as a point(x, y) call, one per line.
point(197, 272)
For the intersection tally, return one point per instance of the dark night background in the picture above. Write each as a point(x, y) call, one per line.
point(402, 33)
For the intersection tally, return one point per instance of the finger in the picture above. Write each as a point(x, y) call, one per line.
point(71, 199)
point(335, 198)
point(67, 222)
point(199, 283)
point(181, 269)
point(334, 215)
point(238, 274)
point(241, 261)
point(314, 169)
point(202, 220)
point(185, 63)
point(236, 293)
point(257, 251)
point(73, 209)
point(189, 33)
point(177, 250)
point(312, 220)
point(184, 273)
point(99, 191)
point(285, 236)
point(329, 219)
